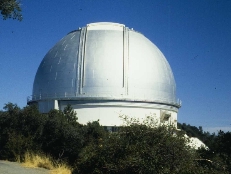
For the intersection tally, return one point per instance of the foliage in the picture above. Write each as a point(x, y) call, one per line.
point(193, 131)
point(27, 129)
point(47, 162)
point(93, 133)
point(140, 148)
point(220, 150)
point(20, 130)
point(223, 147)
point(61, 138)
point(70, 114)
point(137, 147)
point(10, 9)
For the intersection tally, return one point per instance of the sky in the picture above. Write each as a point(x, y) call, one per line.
point(194, 36)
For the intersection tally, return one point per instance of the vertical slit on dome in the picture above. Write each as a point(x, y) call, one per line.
point(124, 47)
point(83, 56)
point(76, 88)
point(78, 68)
point(125, 60)
point(80, 64)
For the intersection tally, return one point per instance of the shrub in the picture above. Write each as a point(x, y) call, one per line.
point(140, 147)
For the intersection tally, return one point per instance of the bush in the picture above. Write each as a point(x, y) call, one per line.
point(140, 148)
point(137, 147)
point(20, 131)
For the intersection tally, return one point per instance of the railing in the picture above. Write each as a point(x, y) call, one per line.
point(68, 96)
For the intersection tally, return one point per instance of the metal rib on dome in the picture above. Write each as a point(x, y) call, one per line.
point(105, 61)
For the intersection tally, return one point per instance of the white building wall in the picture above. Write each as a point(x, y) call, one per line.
point(109, 113)
point(110, 116)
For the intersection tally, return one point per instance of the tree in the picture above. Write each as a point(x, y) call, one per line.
point(62, 139)
point(140, 147)
point(222, 148)
point(93, 133)
point(70, 114)
point(10, 9)
point(20, 130)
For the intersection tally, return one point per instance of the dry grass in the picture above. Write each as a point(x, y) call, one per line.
point(61, 169)
point(34, 160)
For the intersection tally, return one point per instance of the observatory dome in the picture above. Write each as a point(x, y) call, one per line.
point(104, 63)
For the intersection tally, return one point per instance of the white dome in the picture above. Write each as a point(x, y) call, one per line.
point(104, 70)
point(105, 61)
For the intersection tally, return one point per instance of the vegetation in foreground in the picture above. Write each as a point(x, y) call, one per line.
point(10, 9)
point(137, 147)
point(43, 161)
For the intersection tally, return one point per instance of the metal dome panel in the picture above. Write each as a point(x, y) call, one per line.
point(103, 62)
point(150, 76)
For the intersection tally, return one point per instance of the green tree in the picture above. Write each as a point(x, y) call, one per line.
point(93, 133)
point(11, 108)
point(62, 139)
point(70, 114)
point(10, 9)
point(26, 129)
point(20, 130)
point(141, 148)
point(222, 148)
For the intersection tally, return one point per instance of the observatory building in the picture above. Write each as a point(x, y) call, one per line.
point(105, 70)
